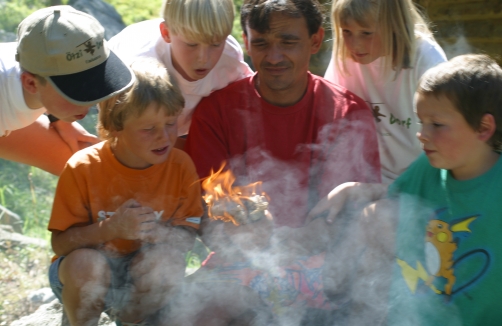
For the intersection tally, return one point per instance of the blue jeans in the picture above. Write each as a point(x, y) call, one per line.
point(120, 284)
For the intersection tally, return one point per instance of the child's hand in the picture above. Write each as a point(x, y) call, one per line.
point(132, 221)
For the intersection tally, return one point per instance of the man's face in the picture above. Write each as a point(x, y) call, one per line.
point(281, 56)
point(58, 106)
point(191, 58)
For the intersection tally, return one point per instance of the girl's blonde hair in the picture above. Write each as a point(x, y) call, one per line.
point(199, 20)
point(398, 21)
point(152, 85)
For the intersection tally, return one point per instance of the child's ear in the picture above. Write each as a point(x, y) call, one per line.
point(164, 31)
point(114, 133)
point(29, 82)
point(487, 127)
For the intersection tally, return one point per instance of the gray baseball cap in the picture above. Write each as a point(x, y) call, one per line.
point(68, 48)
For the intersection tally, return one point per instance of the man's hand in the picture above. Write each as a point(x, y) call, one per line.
point(132, 221)
point(353, 192)
point(74, 135)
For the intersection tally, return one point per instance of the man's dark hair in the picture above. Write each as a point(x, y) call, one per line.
point(256, 13)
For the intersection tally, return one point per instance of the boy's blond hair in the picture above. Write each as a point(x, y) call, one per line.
point(152, 85)
point(204, 21)
point(398, 22)
point(473, 84)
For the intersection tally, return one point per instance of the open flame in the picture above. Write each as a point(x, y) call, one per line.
point(239, 204)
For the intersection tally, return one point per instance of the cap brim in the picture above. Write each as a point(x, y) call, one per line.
point(96, 84)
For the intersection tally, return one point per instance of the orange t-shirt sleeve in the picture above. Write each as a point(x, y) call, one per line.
point(69, 207)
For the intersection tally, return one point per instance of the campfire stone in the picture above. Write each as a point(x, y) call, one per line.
point(252, 211)
point(51, 314)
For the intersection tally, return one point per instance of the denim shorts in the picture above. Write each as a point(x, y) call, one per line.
point(120, 285)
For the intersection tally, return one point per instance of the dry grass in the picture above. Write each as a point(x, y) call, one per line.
point(22, 270)
point(25, 269)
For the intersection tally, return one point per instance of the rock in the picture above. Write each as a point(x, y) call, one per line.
point(7, 36)
point(8, 217)
point(7, 228)
point(44, 295)
point(103, 12)
point(51, 314)
point(19, 239)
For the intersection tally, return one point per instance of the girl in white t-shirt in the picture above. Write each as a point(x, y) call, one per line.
point(380, 50)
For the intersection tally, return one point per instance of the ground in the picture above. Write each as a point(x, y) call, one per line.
point(22, 270)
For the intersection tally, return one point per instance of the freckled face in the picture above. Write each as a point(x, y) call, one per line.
point(363, 43)
point(447, 139)
point(191, 58)
point(147, 139)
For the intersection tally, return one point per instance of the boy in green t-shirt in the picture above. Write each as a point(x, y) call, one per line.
point(444, 244)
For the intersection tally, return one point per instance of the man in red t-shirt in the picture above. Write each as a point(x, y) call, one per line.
point(299, 134)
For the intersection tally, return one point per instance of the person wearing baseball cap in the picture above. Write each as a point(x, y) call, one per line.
point(60, 65)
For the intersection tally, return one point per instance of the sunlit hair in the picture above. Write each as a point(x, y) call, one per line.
point(153, 85)
point(204, 21)
point(398, 22)
point(256, 13)
point(473, 84)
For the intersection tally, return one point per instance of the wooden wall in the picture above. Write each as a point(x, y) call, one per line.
point(466, 26)
point(460, 26)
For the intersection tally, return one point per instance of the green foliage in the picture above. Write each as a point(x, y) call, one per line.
point(12, 12)
point(29, 192)
point(237, 29)
point(91, 120)
point(133, 11)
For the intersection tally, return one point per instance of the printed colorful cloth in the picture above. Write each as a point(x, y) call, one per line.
point(299, 284)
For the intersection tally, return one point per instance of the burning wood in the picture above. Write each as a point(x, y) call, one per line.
point(239, 205)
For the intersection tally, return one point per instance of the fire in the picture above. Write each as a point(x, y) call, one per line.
point(239, 205)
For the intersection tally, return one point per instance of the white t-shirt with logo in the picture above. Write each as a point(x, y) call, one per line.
point(391, 101)
point(144, 40)
point(14, 113)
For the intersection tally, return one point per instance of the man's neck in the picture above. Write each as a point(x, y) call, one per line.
point(284, 98)
point(31, 100)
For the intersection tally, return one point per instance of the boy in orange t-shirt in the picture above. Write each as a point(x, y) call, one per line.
point(126, 210)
